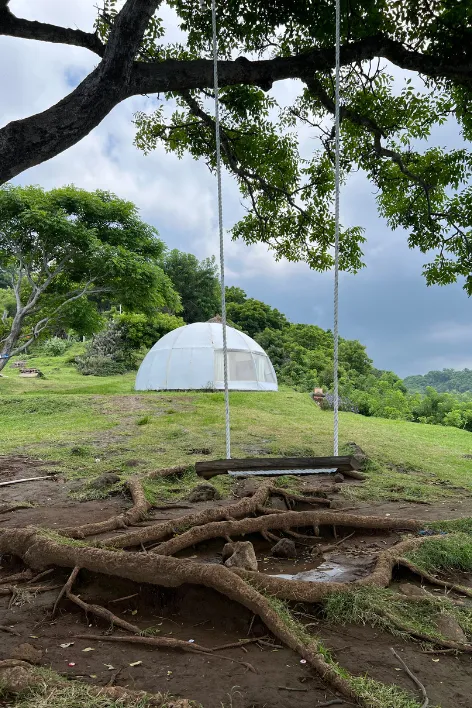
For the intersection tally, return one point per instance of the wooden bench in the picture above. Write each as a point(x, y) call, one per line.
point(347, 464)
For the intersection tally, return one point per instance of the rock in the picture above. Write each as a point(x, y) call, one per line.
point(411, 590)
point(450, 628)
point(358, 453)
point(285, 548)
point(27, 652)
point(240, 555)
point(204, 492)
point(16, 679)
point(247, 487)
point(105, 480)
point(338, 477)
point(277, 503)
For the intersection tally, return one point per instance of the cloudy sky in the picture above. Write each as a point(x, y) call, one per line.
point(406, 326)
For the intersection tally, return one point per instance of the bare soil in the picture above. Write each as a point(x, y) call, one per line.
point(200, 614)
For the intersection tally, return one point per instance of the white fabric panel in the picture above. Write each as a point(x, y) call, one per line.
point(188, 358)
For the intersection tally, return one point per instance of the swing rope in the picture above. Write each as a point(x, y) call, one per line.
point(220, 228)
point(336, 232)
point(336, 227)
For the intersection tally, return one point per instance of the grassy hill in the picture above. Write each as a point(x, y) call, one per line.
point(90, 425)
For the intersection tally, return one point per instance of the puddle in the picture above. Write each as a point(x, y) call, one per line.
point(341, 571)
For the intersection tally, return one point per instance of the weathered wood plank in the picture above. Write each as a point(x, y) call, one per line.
point(210, 468)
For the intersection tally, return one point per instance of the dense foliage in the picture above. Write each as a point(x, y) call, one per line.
point(64, 251)
point(445, 381)
point(302, 356)
point(197, 283)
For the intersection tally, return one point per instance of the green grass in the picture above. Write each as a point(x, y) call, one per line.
point(52, 691)
point(91, 425)
point(436, 554)
point(379, 607)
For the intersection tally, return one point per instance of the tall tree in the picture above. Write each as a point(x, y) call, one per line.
point(60, 247)
point(197, 284)
point(385, 127)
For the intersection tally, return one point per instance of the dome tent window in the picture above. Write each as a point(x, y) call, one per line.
point(191, 358)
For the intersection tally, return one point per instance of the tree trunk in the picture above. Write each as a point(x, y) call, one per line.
point(8, 347)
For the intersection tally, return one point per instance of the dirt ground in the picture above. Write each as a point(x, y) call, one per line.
point(279, 678)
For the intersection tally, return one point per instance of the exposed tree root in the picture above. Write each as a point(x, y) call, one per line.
point(137, 512)
point(289, 497)
point(38, 551)
point(433, 580)
point(241, 508)
point(17, 577)
point(14, 589)
point(9, 630)
point(167, 643)
point(66, 589)
point(414, 678)
point(285, 520)
point(438, 641)
point(103, 613)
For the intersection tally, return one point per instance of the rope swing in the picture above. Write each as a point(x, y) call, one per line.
point(220, 228)
point(336, 232)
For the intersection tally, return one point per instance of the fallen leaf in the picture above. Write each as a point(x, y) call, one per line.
point(136, 663)
point(88, 649)
point(34, 636)
point(302, 661)
point(110, 667)
point(93, 675)
point(436, 660)
point(66, 645)
point(191, 641)
point(71, 663)
point(134, 612)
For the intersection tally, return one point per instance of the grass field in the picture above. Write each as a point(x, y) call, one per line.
point(91, 425)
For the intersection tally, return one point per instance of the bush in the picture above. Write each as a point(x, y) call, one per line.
point(99, 365)
point(55, 346)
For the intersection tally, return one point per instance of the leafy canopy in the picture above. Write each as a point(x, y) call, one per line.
point(63, 250)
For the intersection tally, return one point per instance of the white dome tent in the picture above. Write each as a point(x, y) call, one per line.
point(191, 358)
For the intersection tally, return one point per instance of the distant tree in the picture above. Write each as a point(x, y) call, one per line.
point(445, 381)
point(234, 294)
point(58, 248)
point(253, 316)
point(196, 282)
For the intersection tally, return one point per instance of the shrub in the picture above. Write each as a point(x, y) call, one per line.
point(99, 365)
point(55, 346)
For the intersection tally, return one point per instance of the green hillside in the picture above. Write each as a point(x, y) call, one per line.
point(445, 381)
point(91, 425)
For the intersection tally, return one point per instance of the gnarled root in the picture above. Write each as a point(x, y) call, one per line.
point(137, 512)
point(157, 532)
point(433, 580)
point(284, 520)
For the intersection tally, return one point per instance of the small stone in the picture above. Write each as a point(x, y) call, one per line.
point(248, 487)
point(204, 492)
point(27, 652)
point(450, 628)
point(285, 548)
point(277, 503)
point(240, 555)
point(338, 477)
point(105, 480)
point(411, 590)
point(16, 679)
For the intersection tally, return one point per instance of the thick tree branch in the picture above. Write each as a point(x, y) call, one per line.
point(13, 26)
point(38, 138)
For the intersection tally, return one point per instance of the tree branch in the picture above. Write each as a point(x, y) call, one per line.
point(38, 138)
point(13, 26)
